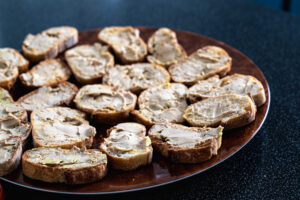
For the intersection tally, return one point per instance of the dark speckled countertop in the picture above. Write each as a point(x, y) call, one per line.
point(268, 167)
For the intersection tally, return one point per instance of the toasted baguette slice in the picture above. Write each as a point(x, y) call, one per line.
point(89, 62)
point(13, 126)
point(230, 111)
point(204, 63)
point(13, 57)
point(183, 144)
point(234, 84)
point(10, 154)
point(73, 166)
point(8, 74)
point(49, 43)
point(9, 108)
point(46, 73)
point(162, 104)
point(136, 77)
point(127, 146)
point(126, 43)
point(49, 96)
point(164, 47)
point(106, 104)
point(61, 127)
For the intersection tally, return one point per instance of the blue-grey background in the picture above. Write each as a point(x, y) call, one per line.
point(268, 167)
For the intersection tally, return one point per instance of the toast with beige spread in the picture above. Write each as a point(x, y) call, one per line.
point(126, 43)
point(136, 77)
point(48, 96)
point(183, 144)
point(106, 104)
point(61, 127)
point(233, 84)
point(162, 104)
point(127, 146)
point(70, 166)
point(46, 73)
point(9, 108)
point(164, 48)
point(230, 111)
point(10, 154)
point(89, 62)
point(204, 63)
point(13, 57)
point(49, 43)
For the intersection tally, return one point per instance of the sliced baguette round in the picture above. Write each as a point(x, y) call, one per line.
point(8, 74)
point(162, 104)
point(70, 166)
point(46, 73)
point(61, 127)
point(164, 48)
point(15, 127)
point(13, 57)
point(233, 84)
point(89, 62)
point(230, 111)
point(10, 154)
point(49, 96)
point(126, 43)
point(127, 146)
point(204, 63)
point(136, 77)
point(9, 108)
point(106, 104)
point(183, 144)
point(49, 43)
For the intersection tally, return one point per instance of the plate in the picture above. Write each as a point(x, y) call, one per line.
point(160, 171)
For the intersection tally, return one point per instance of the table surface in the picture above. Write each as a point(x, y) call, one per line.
point(267, 168)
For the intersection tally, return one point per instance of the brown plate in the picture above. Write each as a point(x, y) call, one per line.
point(161, 171)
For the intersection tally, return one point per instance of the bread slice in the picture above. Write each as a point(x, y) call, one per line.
point(13, 126)
point(126, 43)
point(8, 74)
point(10, 154)
point(136, 77)
point(49, 96)
point(70, 166)
point(89, 62)
point(13, 57)
point(204, 63)
point(46, 73)
point(183, 144)
point(127, 146)
point(162, 104)
point(234, 84)
point(164, 48)
point(106, 104)
point(61, 127)
point(230, 111)
point(49, 43)
point(9, 108)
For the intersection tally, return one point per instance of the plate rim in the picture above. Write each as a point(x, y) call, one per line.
point(167, 182)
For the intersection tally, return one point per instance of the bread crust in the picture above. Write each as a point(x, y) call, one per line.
point(235, 121)
point(191, 79)
point(58, 46)
point(199, 153)
point(64, 75)
point(130, 162)
point(134, 34)
point(62, 175)
point(23, 66)
point(14, 161)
